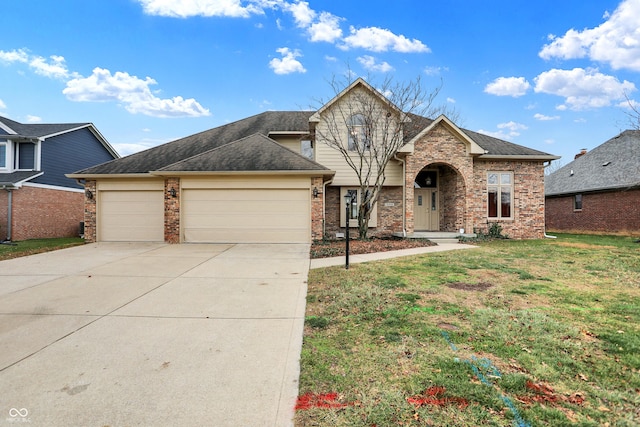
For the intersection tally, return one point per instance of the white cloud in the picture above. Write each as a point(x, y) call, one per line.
point(126, 148)
point(2, 104)
point(544, 118)
point(327, 29)
point(33, 119)
point(132, 92)
point(369, 63)
point(451, 100)
point(582, 88)
point(508, 86)
point(288, 63)
point(381, 40)
point(55, 68)
point(507, 131)
point(188, 8)
point(434, 71)
point(616, 41)
point(302, 13)
point(19, 55)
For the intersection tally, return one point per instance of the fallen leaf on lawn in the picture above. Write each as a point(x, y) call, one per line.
point(603, 409)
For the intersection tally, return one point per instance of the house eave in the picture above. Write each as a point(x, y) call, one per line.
point(108, 175)
point(310, 173)
point(517, 157)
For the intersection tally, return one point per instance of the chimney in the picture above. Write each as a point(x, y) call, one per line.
point(581, 153)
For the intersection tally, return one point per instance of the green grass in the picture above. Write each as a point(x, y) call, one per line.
point(35, 246)
point(551, 338)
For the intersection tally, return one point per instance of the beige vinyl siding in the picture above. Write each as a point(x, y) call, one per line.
point(130, 211)
point(246, 210)
point(292, 142)
point(334, 160)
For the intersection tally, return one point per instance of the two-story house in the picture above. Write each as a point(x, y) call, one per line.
point(272, 177)
point(37, 200)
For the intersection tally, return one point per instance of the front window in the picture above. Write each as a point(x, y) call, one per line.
point(352, 210)
point(577, 202)
point(3, 155)
point(26, 159)
point(500, 195)
point(358, 138)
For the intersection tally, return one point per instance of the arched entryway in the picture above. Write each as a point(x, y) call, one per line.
point(439, 199)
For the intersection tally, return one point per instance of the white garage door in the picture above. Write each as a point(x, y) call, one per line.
point(131, 216)
point(241, 215)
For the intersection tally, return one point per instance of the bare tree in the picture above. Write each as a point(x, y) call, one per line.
point(634, 114)
point(368, 126)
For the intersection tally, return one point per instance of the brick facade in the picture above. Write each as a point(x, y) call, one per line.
point(90, 220)
point(39, 213)
point(172, 210)
point(317, 222)
point(606, 212)
point(462, 191)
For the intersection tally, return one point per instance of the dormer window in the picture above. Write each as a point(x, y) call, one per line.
point(358, 138)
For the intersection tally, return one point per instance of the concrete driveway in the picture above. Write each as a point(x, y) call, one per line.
point(152, 335)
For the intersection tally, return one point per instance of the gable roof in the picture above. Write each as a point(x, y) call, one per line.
point(254, 153)
point(613, 165)
point(10, 129)
point(156, 158)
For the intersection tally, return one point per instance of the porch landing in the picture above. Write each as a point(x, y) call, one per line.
point(437, 236)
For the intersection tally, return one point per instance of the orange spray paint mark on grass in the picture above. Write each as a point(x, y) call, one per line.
point(312, 400)
point(433, 396)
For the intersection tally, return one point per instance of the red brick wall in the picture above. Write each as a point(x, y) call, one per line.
point(172, 211)
point(611, 212)
point(389, 219)
point(42, 213)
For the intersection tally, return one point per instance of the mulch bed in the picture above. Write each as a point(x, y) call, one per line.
point(332, 248)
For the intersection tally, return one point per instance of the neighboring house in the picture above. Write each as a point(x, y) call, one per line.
point(37, 200)
point(599, 191)
point(248, 181)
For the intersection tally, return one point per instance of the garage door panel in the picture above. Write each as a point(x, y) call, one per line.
point(246, 215)
point(131, 216)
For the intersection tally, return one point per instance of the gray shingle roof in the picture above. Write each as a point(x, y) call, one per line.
point(254, 153)
point(13, 178)
point(168, 156)
point(38, 129)
point(613, 165)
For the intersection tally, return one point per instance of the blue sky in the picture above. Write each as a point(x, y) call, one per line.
point(551, 75)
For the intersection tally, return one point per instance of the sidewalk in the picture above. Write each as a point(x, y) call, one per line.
point(355, 259)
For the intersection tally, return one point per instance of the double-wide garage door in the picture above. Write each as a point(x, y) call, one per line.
point(221, 210)
point(276, 212)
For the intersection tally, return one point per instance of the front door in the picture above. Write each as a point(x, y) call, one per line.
point(425, 209)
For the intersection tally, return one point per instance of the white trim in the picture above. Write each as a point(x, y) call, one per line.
point(53, 187)
point(499, 186)
point(7, 129)
point(7, 151)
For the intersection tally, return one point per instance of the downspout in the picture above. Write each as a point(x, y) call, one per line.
point(404, 194)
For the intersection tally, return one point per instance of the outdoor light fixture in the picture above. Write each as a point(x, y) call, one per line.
point(315, 192)
point(89, 194)
point(172, 192)
point(428, 181)
point(347, 201)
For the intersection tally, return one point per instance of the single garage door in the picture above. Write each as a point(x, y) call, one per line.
point(131, 216)
point(246, 215)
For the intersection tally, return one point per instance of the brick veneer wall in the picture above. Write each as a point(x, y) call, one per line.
point(438, 148)
point(90, 220)
point(40, 213)
point(172, 211)
point(608, 212)
point(389, 219)
point(528, 199)
point(317, 209)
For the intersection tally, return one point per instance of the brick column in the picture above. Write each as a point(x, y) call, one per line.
point(90, 197)
point(172, 211)
point(317, 209)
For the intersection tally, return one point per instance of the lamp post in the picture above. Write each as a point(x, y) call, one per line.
point(347, 200)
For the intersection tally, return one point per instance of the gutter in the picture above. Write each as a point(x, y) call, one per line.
point(7, 240)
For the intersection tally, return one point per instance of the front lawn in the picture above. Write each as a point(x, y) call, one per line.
point(513, 333)
point(36, 246)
